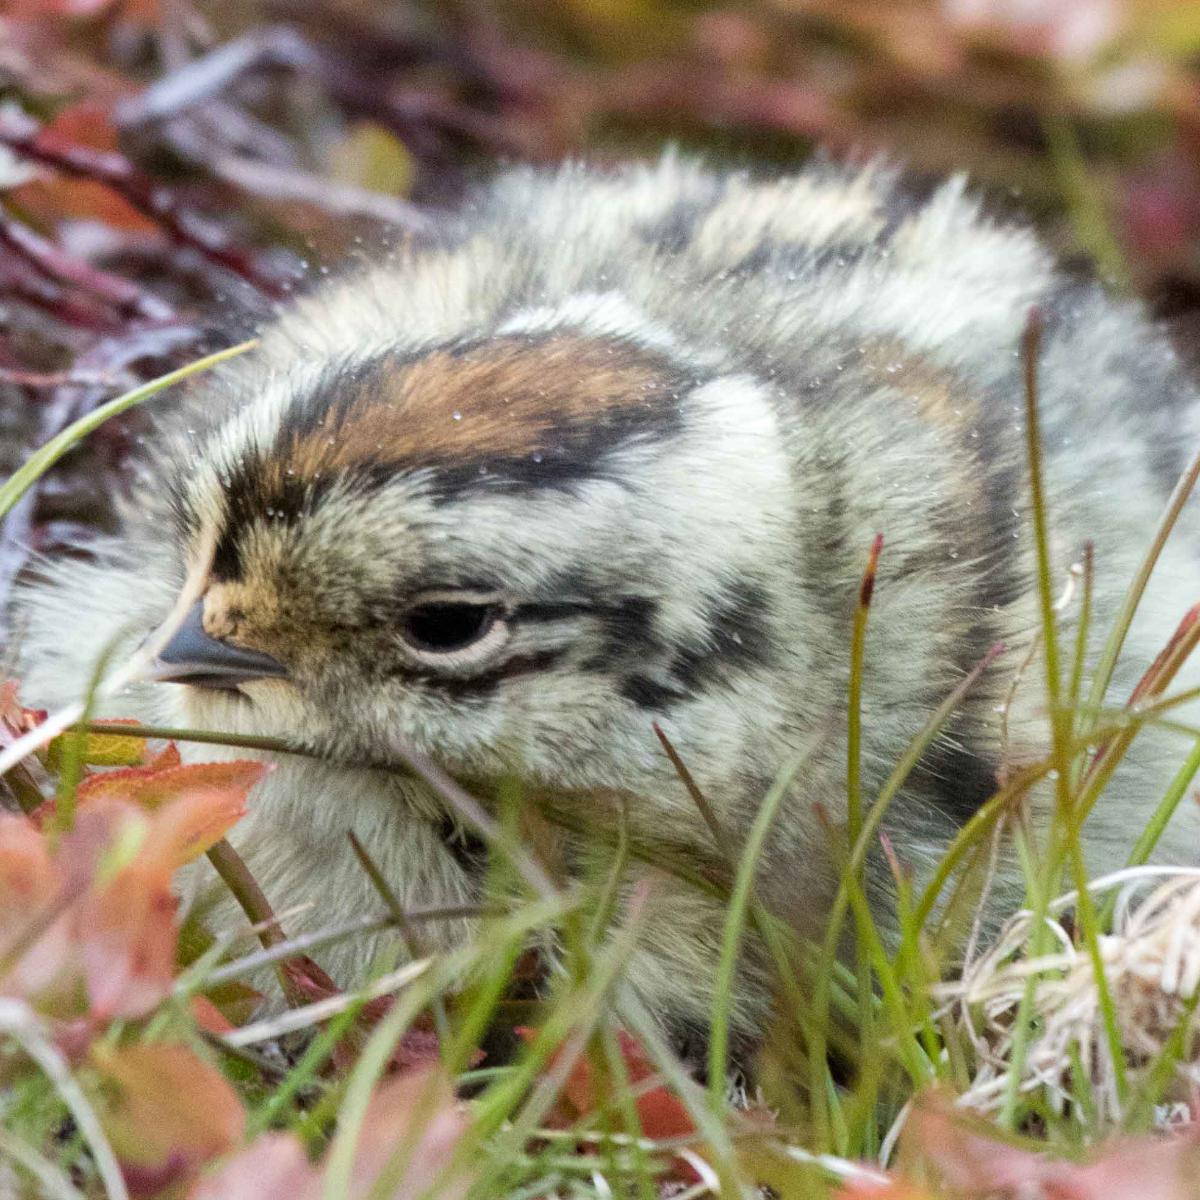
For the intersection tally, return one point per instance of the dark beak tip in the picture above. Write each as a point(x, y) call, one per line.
point(192, 656)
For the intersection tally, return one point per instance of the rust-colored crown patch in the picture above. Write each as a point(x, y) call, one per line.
point(506, 401)
point(508, 414)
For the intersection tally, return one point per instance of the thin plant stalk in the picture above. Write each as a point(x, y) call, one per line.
point(236, 876)
point(626, 1102)
point(858, 851)
point(735, 919)
point(18, 1021)
point(315, 1055)
point(916, 1062)
point(464, 806)
point(1163, 1066)
point(1064, 830)
point(1083, 627)
point(1157, 678)
point(1060, 716)
point(207, 737)
point(711, 1126)
point(413, 943)
point(304, 942)
point(352, 1109)
point(858, 643)
point(768, 927)
point(1133, 597)
point(1148, 838)
point(1155, 827)
point(991, 810)
point(53, 1181)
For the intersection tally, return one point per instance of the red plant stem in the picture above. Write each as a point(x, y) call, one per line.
point(20, 280)
point(114, 171)
point(55, 264)
point(45, 380)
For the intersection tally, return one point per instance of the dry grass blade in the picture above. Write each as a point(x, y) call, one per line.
point(304, 942)
point(1152, 964)
point(321, 1010)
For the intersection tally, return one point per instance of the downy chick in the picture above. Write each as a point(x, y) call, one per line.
point(611, 449)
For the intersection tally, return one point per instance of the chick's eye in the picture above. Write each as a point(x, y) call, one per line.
point(446, 626)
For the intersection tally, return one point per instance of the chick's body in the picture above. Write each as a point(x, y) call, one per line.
point(612, 450)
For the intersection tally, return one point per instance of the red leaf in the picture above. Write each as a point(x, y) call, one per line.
point(893, 1189)
point(127, 936)
point(15, 716)
point(976, 1165)
point(399, 1102)
point(275, 1165)
point(662, 1114)
point(418, 1109)
point(28, 876)
point(235, 1002)
point(166, 1111)
point(186, 827)
point(168, 756)
point(306, 981)
point(196, 804)
point(30, 885)
point(152, 786)
point(53, 196)
point(209, 1017)
point(416, 1050)
point(97, 910)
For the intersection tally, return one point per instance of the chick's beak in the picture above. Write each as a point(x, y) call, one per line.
point(192, 656)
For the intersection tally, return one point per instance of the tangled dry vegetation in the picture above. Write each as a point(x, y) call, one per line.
point(163, 160)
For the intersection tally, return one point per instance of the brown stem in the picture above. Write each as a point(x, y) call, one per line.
point(234, 873)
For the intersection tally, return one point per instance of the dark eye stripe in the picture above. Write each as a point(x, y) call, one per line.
point(552, 610)
point(484, 684)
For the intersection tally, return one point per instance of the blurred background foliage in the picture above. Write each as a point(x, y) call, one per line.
point(165, 163)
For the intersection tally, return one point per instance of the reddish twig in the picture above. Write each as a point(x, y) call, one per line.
point(210, 75)
point(55, 264)
point(236, 876)
point(45, 380)
point(22, 135)
point(20, 281)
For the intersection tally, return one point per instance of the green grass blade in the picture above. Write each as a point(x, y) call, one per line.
point(735, 920)
point(42, 459)
point(1133, 598)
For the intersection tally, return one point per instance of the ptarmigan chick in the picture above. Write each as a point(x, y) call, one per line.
point(610, 449)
